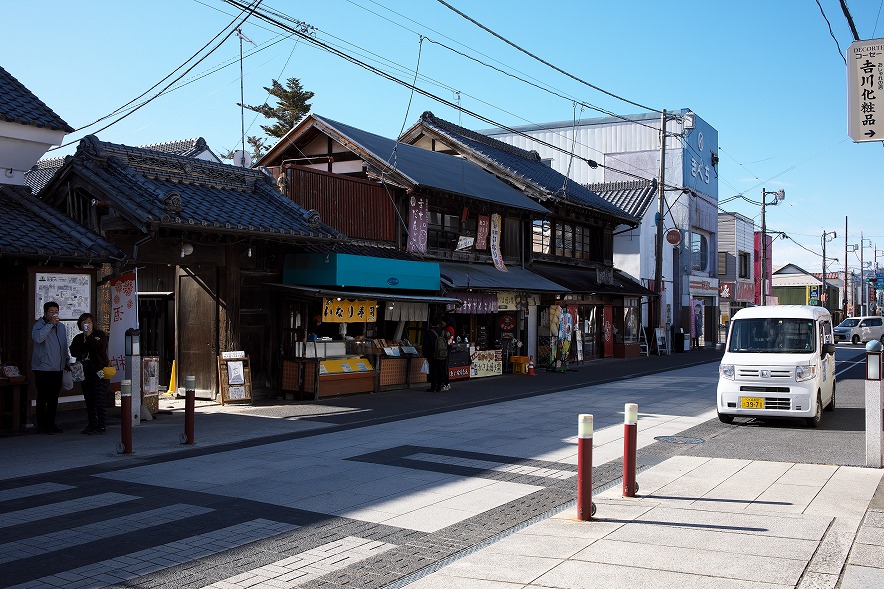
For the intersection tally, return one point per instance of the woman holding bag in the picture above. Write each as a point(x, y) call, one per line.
point(90, 349)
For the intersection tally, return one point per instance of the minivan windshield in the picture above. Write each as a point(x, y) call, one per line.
point(772, 335)
point(849, 322)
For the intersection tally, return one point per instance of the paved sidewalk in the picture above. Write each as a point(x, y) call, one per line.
point(435, 490)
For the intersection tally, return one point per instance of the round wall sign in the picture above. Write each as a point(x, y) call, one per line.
point(673, 236)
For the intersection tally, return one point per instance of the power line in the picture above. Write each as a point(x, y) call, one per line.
point(246, 11)
point(544, 62)
point(823, 12)
point(264, 15)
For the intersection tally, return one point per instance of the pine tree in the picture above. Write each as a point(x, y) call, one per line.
point(291, 107)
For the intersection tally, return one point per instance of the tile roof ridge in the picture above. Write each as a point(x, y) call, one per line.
point(447, 127)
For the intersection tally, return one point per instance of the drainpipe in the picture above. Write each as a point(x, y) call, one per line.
point(138, 243)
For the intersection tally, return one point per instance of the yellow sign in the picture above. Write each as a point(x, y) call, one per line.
point(349, 311)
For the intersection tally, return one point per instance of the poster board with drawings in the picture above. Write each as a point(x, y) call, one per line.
point(234, 380)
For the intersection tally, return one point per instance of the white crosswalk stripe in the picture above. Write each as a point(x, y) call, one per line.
point(124, 568)
point(46, 543)
point(32, 514)
point(308, 565)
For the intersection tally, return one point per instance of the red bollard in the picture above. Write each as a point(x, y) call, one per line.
point(630, 431)
point(125, 445)
point(585, 506)
point(189, 408)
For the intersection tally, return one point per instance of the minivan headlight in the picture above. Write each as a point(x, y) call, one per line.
point(726, 371)
point(803, 373)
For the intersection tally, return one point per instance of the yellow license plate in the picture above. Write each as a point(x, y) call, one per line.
point(752, 402)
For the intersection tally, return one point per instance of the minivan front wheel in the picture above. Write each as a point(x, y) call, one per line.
point(855, 340)
point(818, 414)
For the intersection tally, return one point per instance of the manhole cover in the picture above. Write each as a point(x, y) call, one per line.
point(679, 440)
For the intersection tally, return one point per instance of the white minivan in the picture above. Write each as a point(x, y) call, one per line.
point(779, 361)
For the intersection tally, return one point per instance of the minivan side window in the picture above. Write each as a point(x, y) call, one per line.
point(877, 322)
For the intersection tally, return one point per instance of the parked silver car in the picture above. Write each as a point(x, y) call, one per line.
point(858, 330)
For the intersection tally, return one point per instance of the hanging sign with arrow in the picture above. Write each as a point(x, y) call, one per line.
point(865, 90)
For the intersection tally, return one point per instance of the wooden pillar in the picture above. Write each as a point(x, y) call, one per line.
point(232, 295)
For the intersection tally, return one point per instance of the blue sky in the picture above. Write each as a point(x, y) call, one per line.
point(766, 74)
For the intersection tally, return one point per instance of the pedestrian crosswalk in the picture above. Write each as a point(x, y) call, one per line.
point(123, 569)
point(40, 534)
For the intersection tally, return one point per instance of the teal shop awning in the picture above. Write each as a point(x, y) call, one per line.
point(486, 276)
point(337, 270)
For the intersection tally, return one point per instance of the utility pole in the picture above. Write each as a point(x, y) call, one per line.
point(844, 300)
point(824, 295)
point(658, 244)
point(862, 278)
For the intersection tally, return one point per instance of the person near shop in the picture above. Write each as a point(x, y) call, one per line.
point(435, 350)
point(90, 349)
point(49, 359)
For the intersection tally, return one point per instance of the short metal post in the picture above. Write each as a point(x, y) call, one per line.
point(585, 506)
point(125, 446)
point(630, 433)
point(189, 408)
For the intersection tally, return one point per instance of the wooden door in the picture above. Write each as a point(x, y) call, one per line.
point(197, 320)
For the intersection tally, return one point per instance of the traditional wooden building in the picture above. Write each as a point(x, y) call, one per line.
point(571, 246)
point(205, 239)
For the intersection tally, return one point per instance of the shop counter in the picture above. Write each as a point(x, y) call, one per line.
point(13, 404)
point(344, 376)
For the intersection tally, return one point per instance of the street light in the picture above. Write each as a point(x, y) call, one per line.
point(779, 195)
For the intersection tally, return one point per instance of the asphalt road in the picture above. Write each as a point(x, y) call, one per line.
point(839, 439)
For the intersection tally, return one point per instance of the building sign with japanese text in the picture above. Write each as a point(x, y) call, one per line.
point(865, 90)
point(482, 232)
point(349, 311)
point(418, 218)
point(496, 255)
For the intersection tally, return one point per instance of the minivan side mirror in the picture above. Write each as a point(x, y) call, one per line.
point(829, 349)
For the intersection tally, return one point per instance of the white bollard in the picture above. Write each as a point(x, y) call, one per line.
point(874, 405)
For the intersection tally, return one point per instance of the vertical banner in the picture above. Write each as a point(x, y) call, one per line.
point(496, 256)
point(418, 217)
point(124, 314)
point(482, 232)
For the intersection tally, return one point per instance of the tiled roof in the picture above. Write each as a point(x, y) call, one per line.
point(185, 147)
point(522, 165)
point(42, 172)
point(429, 169)
point(19, 105)
point(634, 196)
point(153, 189)
point(29, 228)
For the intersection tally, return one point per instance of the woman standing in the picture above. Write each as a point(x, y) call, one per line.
point(90, 349)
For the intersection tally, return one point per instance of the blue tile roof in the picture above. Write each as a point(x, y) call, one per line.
point(19, 105)
point(429, 169)
point(30, 228)
point(526, 166)
point(634, 196)
point(153, 189)
point(42, 172)
point(185, 147)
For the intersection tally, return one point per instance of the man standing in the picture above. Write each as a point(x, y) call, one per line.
point(435, 350)
point(49, 359)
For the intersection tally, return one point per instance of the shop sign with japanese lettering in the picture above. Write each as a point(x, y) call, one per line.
point(349, 311)
point(865, 90)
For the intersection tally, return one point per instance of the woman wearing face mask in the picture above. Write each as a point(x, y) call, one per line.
point(90, 348)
